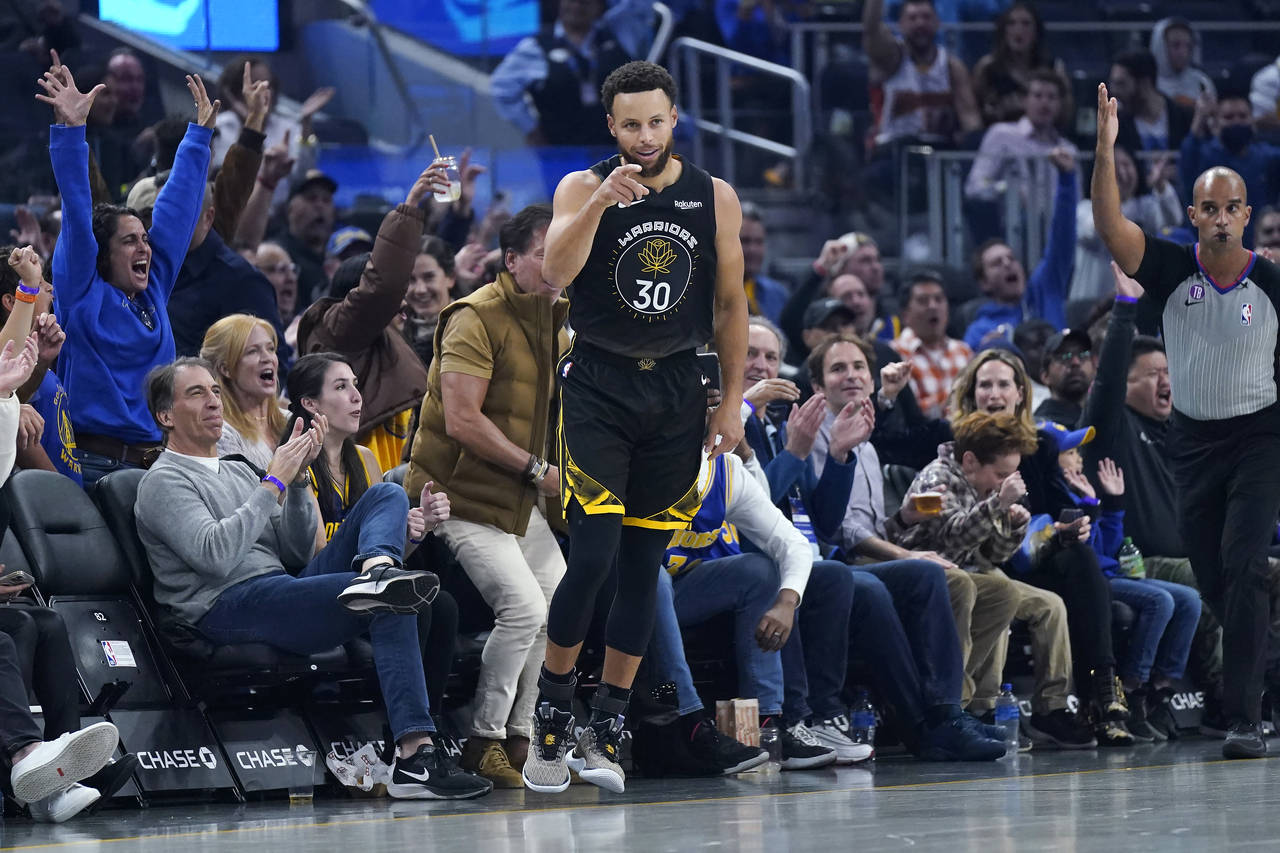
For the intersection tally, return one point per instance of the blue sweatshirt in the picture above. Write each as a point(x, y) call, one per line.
point(1048, 284)
point(109, 349)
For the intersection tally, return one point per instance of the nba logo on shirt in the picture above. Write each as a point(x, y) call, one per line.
point(1246, 314)
point(1197, 292)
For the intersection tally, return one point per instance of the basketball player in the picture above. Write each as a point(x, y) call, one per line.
point(648, 245)
point(1222, 330)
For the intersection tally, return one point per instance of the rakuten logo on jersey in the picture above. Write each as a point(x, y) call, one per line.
point(178, 759)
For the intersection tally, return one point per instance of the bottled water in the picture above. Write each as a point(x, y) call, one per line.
point(1130, 560)
point(862, 720)
point(1007, 718)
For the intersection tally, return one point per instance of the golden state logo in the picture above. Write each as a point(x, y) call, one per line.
point(653, 270)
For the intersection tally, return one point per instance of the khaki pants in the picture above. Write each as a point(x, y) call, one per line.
point(984, 603)
point(516, 575)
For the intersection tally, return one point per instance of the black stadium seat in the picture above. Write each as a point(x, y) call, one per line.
point(81, 573)
point(207, 669)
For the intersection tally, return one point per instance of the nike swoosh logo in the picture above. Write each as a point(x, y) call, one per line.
point(631, 203)
point(421, 777)
point(1197, 302)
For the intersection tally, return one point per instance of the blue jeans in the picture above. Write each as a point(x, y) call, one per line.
point(816, 656)
point(902, 623)
point(1160, 642)
point(746, 584)
point(302, 614)
point(94, 467)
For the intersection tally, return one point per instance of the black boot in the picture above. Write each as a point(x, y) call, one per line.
point(1109, 710)
point(1108, 696)
point(1139, 724)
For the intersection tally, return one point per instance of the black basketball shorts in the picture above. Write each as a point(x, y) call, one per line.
point(631, 434)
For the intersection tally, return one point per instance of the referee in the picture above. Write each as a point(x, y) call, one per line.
point(648, 244)
point(1219, 302)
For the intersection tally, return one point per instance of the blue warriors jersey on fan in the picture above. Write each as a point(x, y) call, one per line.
point(58, 438)
point(709, 536)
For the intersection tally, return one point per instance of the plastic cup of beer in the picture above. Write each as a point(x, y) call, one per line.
point(927, 503)
point(454, 191)
point(302, 788)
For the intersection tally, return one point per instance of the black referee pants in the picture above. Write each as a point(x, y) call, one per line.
point(1228, 477)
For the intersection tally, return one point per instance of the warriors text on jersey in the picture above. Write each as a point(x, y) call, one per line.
point(647, 289)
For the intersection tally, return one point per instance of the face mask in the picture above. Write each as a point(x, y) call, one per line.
point(1236, 136)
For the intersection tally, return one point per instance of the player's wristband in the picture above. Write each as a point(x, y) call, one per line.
point(33, 291)
point(749, 405)
point(275, 482)
point(1128, 299)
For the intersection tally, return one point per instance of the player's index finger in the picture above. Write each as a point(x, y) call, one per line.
point(629, 167)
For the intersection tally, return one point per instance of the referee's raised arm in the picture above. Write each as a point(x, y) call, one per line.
point(1123, 237)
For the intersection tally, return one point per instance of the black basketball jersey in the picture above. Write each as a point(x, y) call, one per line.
point(648, 287)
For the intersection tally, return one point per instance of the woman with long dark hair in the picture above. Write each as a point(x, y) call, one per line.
point(1001, 77)
point(323, 385)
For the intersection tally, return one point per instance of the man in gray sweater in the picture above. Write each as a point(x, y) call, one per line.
point(218, 537)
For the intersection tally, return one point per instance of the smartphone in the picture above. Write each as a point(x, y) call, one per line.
point(16, 579)
point(710, 364)
point(1069, 515)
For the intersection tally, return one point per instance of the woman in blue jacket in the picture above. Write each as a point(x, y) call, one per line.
point(112, 279)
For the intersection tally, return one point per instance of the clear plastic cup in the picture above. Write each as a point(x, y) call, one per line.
point(454, 192)
point(771, 742)
point(302, 787)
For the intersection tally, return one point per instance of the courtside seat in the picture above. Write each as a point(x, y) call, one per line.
point(80, 572)
point(206, 668)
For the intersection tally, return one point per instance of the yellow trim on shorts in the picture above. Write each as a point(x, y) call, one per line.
point(679, 515)
point(594, 498)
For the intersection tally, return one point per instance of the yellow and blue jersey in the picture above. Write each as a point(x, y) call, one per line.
point(708, 536)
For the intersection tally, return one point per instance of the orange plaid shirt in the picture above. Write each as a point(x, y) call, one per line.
point(932, 370)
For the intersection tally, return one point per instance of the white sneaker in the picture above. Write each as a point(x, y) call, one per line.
point(54, 765)
point(63, 805)
point(834, 733)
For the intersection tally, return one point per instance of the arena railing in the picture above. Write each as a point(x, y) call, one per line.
point(686, 55)
point(816, 37)
point(1026, 208)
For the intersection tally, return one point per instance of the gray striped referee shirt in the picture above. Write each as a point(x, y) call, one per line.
point(1221, 337)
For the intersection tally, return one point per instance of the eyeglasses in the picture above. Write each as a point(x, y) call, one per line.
point(1068, 357)
point(280, 269)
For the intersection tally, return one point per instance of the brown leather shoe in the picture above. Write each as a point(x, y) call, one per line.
point(487, 758)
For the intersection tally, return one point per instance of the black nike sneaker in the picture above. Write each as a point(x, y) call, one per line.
point(432, 774)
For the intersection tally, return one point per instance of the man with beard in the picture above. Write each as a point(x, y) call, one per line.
point(927, 94)
point(309, 217)
point(1068, 371)
point(1222, 332)
point(936, 360)
point(649, 245)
